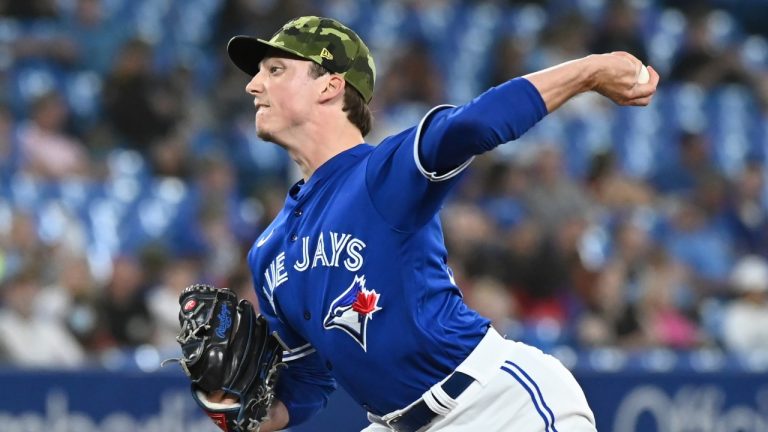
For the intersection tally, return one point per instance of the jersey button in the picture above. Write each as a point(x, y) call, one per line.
point(298, 212)
point(307, 315)
point(329, 365)
point(294, 237)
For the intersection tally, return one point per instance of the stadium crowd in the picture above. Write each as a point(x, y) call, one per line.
point(129, 168)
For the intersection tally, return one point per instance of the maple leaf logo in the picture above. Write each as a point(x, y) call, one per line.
point(365, 302)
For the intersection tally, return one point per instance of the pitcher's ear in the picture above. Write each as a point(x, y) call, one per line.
point(333, 88)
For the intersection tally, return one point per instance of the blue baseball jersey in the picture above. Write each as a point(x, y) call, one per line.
point(353, 274)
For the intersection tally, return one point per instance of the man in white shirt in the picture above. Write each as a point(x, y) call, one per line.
point(26, 340)
point(745, 324)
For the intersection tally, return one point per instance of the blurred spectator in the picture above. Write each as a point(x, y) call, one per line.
point(566, 38)
point(241, 282)
point(8, 145)
point(611, 319)
point(22, 246)
point(745, 324)
point(746, 215)
point(220, 225)
point(169, 156)
point(613, 316)
point(27, 10)
point(466, 228)
point(138, 104)
point(222, 251)
point(412, 78)
point(711, 194)
point(72, 303)
point(257, 17)
point(636, 301)
point(761, 92)
point(411, 85)
point(215, 181)
point(163, 300)
point(47, 150)
point(631, 250)
point(624, 261)
point(552, 197)
point(491, 299)
point(700, 244)
point(662, 284)
point(508, 60)
point(25, 338)
point(701, 60)
point(123, 306)
point(503, 186)
point(44, 41)
point(95, 35)
point(228, 101)
point(619, 30)
point(534, 266)
point(613, 190)
point(684, 174)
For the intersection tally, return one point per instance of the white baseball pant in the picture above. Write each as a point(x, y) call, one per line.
point(517, 388)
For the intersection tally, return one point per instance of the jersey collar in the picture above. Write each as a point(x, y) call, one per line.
point(333, 165)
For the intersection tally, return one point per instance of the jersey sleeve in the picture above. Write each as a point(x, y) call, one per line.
point(304, 387)
point(404, 193)
point(409, 174)
point(305, 384)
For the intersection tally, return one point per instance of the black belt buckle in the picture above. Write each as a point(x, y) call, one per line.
point(393, 422)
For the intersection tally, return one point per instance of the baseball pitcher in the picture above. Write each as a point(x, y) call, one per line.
point(351, 275)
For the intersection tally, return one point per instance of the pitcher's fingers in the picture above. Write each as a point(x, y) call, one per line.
point(626, 54)
point(649, 88)
point(642, 101)
point(634, 60)
point(653, 79)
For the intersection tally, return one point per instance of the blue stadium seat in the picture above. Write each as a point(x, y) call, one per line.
point(30, 79)
point(754, 53)
point(663, 36)
point(731, 119)
point(82, 91)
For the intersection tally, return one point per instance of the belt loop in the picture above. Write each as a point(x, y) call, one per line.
point(438, 400)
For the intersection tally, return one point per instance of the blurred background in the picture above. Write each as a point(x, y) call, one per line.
point(631, 243)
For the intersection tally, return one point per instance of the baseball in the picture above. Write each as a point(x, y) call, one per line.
point(643, 77)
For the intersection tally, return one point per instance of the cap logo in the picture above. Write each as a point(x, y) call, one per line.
point(326, 54)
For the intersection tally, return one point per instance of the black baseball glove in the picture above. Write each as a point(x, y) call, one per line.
point(226, 346)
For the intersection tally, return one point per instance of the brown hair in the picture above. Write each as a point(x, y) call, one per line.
point(357, 110)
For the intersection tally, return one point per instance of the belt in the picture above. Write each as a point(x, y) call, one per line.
point(419, 415)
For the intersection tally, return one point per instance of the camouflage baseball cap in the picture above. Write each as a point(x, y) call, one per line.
point(324, 41)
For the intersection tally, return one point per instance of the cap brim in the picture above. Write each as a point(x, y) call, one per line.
point(246, 52)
